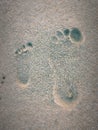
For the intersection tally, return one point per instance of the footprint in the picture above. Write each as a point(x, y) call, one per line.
point(23, 57)
point(63, 61)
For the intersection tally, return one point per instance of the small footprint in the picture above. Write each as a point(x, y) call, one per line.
point(23, 57)
point(63, 61)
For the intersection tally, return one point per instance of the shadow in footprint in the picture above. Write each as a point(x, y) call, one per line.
point(65, 96)
point(68, 93)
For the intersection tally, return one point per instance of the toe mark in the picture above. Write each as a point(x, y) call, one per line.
point(59, 34)
point(30, 44)
point(54, 38)
point(66, 32)
point(76, 35)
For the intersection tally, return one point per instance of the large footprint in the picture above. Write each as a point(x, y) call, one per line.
point(23, 57)
point(63, 61)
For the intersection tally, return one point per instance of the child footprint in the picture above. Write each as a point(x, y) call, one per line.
point(63, 61)
point(23, 57)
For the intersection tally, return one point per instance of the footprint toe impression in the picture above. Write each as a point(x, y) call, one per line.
point(76, 35)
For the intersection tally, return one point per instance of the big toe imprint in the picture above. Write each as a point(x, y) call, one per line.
point(76, 35)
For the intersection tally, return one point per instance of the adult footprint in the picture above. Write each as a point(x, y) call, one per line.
point(23, 57)
point(63, 61)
